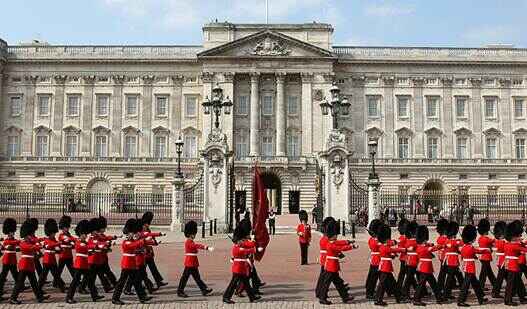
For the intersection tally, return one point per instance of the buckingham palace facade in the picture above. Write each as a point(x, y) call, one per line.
point(105, 118)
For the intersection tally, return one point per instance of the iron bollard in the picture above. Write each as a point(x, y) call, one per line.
point(338, 226)
point(353, 230)
point(343, 228)
point(210, 227)
point(203, 229)
point(215, 226)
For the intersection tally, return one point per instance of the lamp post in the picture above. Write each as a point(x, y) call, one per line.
point(336, 105)
point(216, 103)
point(372, 148)
point(179, 150)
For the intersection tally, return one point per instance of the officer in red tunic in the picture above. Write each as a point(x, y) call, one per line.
point(386, 279)
point(34, 227)
point(334, 249)
point(373, 272)
point(81, 265)
point(26, 264)
point(96, 258)
point(150, 256)
point(411, 260)
point(485, 243)
point(108, 239)
point(442, 229)
point(129, 270)
point(9, 248)
point(452, 258)
point(513, 249)
point(499, 244)
point(425, 267)
point(191, 262)
point(51, 247)
point(140, 256)
point(67, 242)
point(401, 227)
point(469, 256)
point(303, 230)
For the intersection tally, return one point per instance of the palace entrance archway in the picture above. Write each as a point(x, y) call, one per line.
point(273, 189)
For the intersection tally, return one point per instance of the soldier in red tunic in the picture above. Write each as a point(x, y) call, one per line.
point(96, 259)
point(191, 261)
point(51, 247)
point(150, 256)
point(34, 227)
point(485, 243)
point(401, 227)
point(303, 230)
point(334, 249)
point(9, 248)
point(81, 265)
point(140, 256)
point(411, 260)
point(513, 249)
point(129, 269)
point(425, 267)
point(26, 264)
point(67, 242)
point(469, 257)
point(442, 229)
point(452, 258)
point(108, 239)
point(499, 244)
point(373, 272)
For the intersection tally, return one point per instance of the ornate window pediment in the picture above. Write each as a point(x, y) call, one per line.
point(101, 129)
point(520, 131)
point(374, 132)
point(14, 129)
point(492, 132)
point(42, 129)
point(131, 130)
point(160, 130)
point(433, 131)
point(72, 129)
point(191, 131)
point(404, 131)
point(462, 131)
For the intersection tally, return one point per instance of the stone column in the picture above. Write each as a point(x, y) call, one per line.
point(448, 120)
point(117, 119)
point(357, 112)
point(280, 115)
point(177, 111)
point(477, 113)
point(418, 150)
point(29, 117)
point(227, 121)
point(58, 115)
point(146, 117)
point(390, 116)
point(87, 112)
point(373, 199)
point(505, 117)
point(177, 203)
point(307, 113)
point(255, 115)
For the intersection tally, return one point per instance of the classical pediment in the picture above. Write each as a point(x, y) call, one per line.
point(267, 43)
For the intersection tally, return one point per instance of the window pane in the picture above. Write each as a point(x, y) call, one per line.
point(13, 146)
point(373, 107)
point(403, 148)
point(491, 148)
point(293, 146)
point(190, 147)
point(460, 107)
point(42, 146)
point(101, 146)
point(490, 108)
point(190, 106)
point(71, 146)
point(431, 107)
point(242, 106)
point(242, 148)
point(161, 106)
point(520, 148)
point(267, 146)
point(16, 106)
point(73, 105)
point(43, 105)
point(160, 147)
point(131, 105)
point(267, 105)
point(130, 149)
point(403, 107)
point(432, 147)
point(292, 105)
point(102, 105)
point(518, 108)
point(461, 148)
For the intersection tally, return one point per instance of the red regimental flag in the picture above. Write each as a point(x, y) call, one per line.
point(260, 212)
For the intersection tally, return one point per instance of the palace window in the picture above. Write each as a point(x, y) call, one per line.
point(242, 105)
point(402, 106)
point(190, 147)
point(190, 106)
point(267, 105)
point(292, 105)
point(492, 148)
point(520, 148)
point(43, 105)
point(293, 145)
point(161, 105)
point(16, 105)
point(72, 108)
point(517, 82)
point(160, 146)
point(101, 146)
point(404, 147)
point(461, 148)
point(71, 145)
point(242, 146)
point(490, 107)
point(13, 145)
point(519, 108)
point(461, 107)
point(267, 146)
point(373, 106)
point(130, 146)
point(102, 106)
point(432, 147)
point(42, 144)
point(432, 107)
point(131, 105)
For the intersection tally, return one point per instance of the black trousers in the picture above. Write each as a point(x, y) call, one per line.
point(496, 288)
point(514, 286)
point(151, 263)
point(410, 281)
point(272, 226)
point(194, 272)
point(20, 282)
point(332, 277)
point(38, 265)
point(386, 284)
point(441, 277)
point(371, 280)
point(236, 280)
point(108, 273)
point(401, 275)
point(133, 276)
point(303, 253)
point(57, 280)
point(421, 287)
point(255, 279)
point(143, 279)
point(486, 273)
point(97, 271)
point(87, 276)
point(6, 269)
point(470, 279)
point(68, 263)
point(453, 273)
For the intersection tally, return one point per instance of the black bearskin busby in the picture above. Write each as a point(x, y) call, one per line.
point(50, 227)
point(499, 229)
point(94, 225)
point(325, 223)
point(421, 234)
point(411, 229)
point(82, 228)
point(191, 228)
point(65, 222)
point(245, 224)
point(442, 226)
point(453, 229)
point(240, 232)
point(374, 226)
point(483, 226)
point(9, 226)
point(103, 223)
point(26, 229)
point(469, 233)
point(513, 230)
point(33, 222)
point(302, 215)
point(384, 233)
point(147, 218)
point(401, 227)
point(130, 226)
point(332, 229)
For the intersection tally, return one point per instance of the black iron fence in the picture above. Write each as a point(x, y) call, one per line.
point(116, 207)
point(193, 204)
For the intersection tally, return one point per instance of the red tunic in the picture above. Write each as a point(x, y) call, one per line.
point(67, 242)
point(452, 252)
point(402, 244)
point(441, 241)
point(305, 229)
point(149, 250)
point(468, 256)
point(512, 251)
point(81, 254)
point(191, 253)
point(129, 248)
point(9, 247)
point(97, 254)
point(485, 243)
point(108, 240)
point(375, 257)
point(387, 253)
point(334, 249)
point(28, 249)
point(500, 253)
point(424, 252)
point(412, 258)
point(51, 248)
point(323, 244)
point(241, 264)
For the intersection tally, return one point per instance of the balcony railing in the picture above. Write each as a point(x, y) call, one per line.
point(98, 159)
point(382, 161)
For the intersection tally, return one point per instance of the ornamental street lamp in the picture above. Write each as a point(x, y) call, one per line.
point(336, 105)
point(216, 103)
point(179, 150)
point(372, 148)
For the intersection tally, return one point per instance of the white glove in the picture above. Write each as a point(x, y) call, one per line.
point(259, 249)
point(210, 249)
point(252, 237)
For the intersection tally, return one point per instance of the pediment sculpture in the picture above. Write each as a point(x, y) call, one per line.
point(269, 47)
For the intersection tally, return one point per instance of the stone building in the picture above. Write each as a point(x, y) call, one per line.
point(103, 118)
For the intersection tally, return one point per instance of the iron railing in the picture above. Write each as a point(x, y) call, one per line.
point(193, 204)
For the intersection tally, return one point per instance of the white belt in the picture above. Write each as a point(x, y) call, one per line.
point(128, 254)
point(9, 251)
point(191, 254)
point(375, 253)
point(425, 260)
point(241, 260)
point(323, 252)
point(65, 246)
point(386, 259)
point(98, 251)
point(469, 260)
point(50, 251)
point(81, 255)
point(509, 257)
point(500, 253)
point(451, 253)
point(27, 256)
point(411, 253)
point(487, 249)
point(331, 258)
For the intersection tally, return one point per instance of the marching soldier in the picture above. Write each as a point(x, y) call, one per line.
point(469, 256)
point(34, 227)
point(513, 249)
point(485, 243)
point(303, 230)
point(452, 258)
point(105, 266)
point(140, 256)
point(49, 260)
point(150, 257)
point(9, 248)
point(411, 260)
point(96, 258)
point(191, 261)
point(67, 242)
point(401, 227)
point(373, 272)
point(499, 234)
point(442, 229)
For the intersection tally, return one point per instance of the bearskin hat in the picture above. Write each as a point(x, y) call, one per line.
point(302, 215)
point(103, 223)
point(483, 226)
point(65, 222)
point(514, 229)
point(499, 229)
point(384, 233)
point(469, 233)
point(147, 217)
point(34, 224)
point(411, 229)
point(421, 234)
point(332, 229)
point(130, 226)
point(50, 227)
point(238, 234)
point(191, 228)
point(325, 222)
point(83, 227)
point(453, 229)
point(245, 224)
point(9, 226)
point(374, 227)
point(94, 224)
point(442, 226)
point(401, 227)
point(26, 229)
